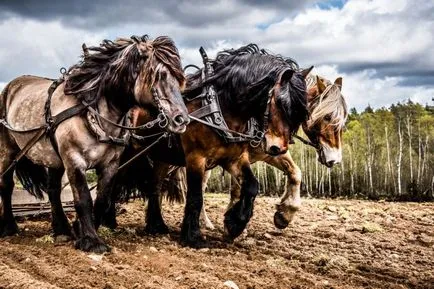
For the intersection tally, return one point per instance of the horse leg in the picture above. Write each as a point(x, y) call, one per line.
point(59, 221)
point(205, 221)
point(290, 202)
point(237, 217)
point(8, 225)
point(109, 219)
point(235, 197)
point(154, 218)
point(190, 230)
point(88, 239)
point(235, 192)
point(106, 180)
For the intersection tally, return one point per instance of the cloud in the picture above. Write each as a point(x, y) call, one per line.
point(385, 44)
point(364, 87)
point(394, 38)
point(105, 13)
point(32, 47)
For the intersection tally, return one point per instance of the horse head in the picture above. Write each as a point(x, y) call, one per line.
point(328, 114)
point(287, 110)
point(160, 80)
point(132, 71)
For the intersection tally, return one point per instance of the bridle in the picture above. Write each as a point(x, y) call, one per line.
point(316, 145)
point(52, 122)
point(210, 114)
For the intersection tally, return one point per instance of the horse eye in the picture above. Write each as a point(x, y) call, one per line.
point(328, 117)
point(163, 75)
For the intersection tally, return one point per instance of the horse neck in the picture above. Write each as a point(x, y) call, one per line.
point(110, 112)
point(234, 119)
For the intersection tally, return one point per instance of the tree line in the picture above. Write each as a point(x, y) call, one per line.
point(388, 153)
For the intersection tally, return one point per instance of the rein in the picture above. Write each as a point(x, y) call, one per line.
point(306, 142)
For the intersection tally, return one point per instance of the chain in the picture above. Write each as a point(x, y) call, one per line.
point(161, 118)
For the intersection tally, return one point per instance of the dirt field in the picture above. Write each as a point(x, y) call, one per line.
point(332, 244)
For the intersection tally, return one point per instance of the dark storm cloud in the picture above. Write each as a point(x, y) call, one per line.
point(412, 74)
point(280, 4)
point(103, 13)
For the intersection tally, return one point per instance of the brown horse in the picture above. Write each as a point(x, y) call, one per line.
point(111, 79)
point(328, 113)
point(247, 81)
point(327, 117)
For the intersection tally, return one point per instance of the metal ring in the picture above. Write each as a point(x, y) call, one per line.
point(63, 70)
point(163, 123)
point(218, 120)
point(255, 143)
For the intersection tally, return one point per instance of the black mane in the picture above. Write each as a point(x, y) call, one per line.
point(111, 69)
point(243, 78)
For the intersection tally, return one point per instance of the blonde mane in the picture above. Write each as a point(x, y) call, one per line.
point(330, 103)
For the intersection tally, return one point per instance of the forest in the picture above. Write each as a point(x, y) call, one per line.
point(388, 153)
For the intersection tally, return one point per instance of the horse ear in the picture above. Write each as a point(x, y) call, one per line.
point(136, 39)
point(305, 72)
point(320, 84)
point(338, 82)
point(285, 75)
point(143, 45)
point(85, 50)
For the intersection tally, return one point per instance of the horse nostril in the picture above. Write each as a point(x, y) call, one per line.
point(330, 163)
point(274, 150)
point(179, 119)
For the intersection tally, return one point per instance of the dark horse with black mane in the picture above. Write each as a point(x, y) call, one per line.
point(84, 126)
point(249, 83)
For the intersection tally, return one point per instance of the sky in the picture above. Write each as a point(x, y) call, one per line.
point(383, 49)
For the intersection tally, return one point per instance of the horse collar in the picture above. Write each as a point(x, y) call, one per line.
point(210, 113)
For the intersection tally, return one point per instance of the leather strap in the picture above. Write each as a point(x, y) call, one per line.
point(25, 149)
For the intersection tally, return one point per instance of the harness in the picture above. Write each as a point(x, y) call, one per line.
point(94, 119)
point(210, 114)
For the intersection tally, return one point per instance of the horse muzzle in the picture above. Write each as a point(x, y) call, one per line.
point(178, 124)
point(329, 156)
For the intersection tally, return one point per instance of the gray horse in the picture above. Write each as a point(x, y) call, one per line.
point(111, 79)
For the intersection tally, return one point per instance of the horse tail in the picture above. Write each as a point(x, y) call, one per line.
point(174, 188)
point(33, 177)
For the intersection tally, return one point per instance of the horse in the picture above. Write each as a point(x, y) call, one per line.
point(249, 83)
point(328, 113)
point(88, 129)
point(327, 116)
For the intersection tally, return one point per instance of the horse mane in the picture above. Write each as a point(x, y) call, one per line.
point(332, 104)
point(111, 69)
point(244, 76)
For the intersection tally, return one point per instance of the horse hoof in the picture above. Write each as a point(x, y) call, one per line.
point(195, 241)
point(9, 229)
point(235, 223)
point(279, 221)
point(94, 245)
point(159, 229)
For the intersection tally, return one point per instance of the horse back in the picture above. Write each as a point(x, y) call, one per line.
point(24, 82)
